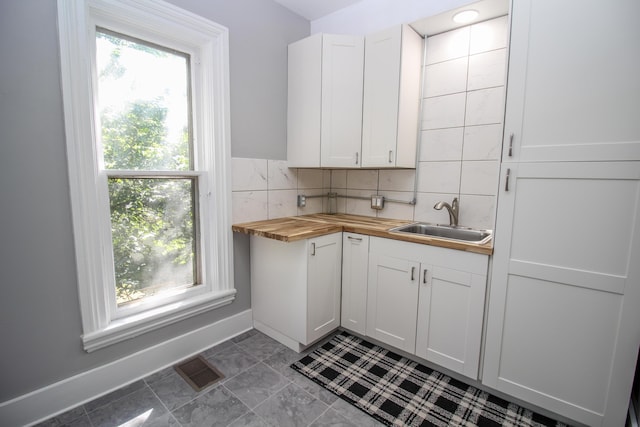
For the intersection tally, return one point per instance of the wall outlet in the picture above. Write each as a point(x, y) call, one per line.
point(377, 202)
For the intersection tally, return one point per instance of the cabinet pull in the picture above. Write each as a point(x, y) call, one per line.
point(357, 155)
point(313, 249)
point(511, 145)
point(424, 276)
point(390, 156)
point(413, 271)
point(358, 239)
point(506, 185)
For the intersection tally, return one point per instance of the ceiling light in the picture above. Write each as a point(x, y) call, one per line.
point(465, 16)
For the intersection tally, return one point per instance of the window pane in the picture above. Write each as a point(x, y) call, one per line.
point(143, 97)
point(153, 234)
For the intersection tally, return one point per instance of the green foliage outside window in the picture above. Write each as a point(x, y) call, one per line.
point(152, 218)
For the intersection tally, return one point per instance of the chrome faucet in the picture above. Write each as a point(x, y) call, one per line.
point(453, 209)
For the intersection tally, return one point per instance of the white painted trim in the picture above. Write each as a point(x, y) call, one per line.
point(208, 43)
point(59, 397)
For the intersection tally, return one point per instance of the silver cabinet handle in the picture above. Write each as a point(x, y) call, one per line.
point(413, 271)
point(506, 185)
point(357, 239)
point(511, 145)
point(424, 276)
point(357, 155)
point(390, 156)
point(313, 249)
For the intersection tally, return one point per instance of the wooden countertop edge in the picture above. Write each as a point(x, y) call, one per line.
point(289, 237)
point(321, 226)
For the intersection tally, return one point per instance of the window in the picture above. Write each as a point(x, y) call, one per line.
point(145, 88)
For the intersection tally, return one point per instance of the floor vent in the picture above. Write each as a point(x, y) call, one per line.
point(199, 373)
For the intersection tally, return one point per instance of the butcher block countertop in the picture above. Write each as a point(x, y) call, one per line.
point(291, 229)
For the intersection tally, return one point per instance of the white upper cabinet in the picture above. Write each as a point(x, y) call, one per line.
point(573, 92)
point(325, 101)
point(393, 61)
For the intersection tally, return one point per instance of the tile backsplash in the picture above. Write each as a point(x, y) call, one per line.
point(460, 146)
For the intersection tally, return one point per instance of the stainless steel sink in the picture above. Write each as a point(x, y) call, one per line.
point(448, 232)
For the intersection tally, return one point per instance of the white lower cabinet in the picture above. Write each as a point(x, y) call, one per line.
point(355, 260)
point(428, 301)
point(392, 299)
point(295, 288)
point(450, 312)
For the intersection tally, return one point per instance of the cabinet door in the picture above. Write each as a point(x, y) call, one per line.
point(342, 74)
point(323, 285)
point(381, 92)
point(450, 313)
point(391, 104)
point(355, 262)
point(303, 102)
point(392, 300)
point(573, 93)
point(564, 310)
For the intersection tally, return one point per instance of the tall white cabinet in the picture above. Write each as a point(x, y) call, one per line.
point(563, 322)
point(324, 116)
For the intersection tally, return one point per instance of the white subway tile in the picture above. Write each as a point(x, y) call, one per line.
point(357, 206)
point(477, 211)
point(362, 179)
point(450, 45)
point(248, 174)
point(480, 178)
point(443, 111)
point(487, 69)
point(338, 179)
point(445, 78)
point(485, 106)
point(280, 176)
point(310, 178)
point(282, 203)
point(441, 144)
point(489, 35)
point(482, 142)
point(326, 180)
point(396, 180)
point(249, 206)
point(439, 177)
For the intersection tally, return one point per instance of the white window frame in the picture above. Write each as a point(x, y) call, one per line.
point(207, 44)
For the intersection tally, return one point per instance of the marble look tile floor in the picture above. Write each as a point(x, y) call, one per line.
point(259, 390)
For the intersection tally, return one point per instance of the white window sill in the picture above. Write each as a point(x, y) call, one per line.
point(134, 325)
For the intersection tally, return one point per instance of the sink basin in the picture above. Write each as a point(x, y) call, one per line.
point(448, 232)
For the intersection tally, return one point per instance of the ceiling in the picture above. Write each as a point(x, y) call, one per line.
point(488, 9)
point(314, 9)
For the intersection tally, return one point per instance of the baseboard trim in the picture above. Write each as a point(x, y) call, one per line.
point(59, 397)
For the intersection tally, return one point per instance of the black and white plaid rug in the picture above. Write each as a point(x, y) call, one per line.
point(400, 392)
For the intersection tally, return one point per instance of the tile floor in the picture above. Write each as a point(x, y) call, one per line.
point(259, 389)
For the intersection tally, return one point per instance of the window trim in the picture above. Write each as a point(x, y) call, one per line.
point(207, 42)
